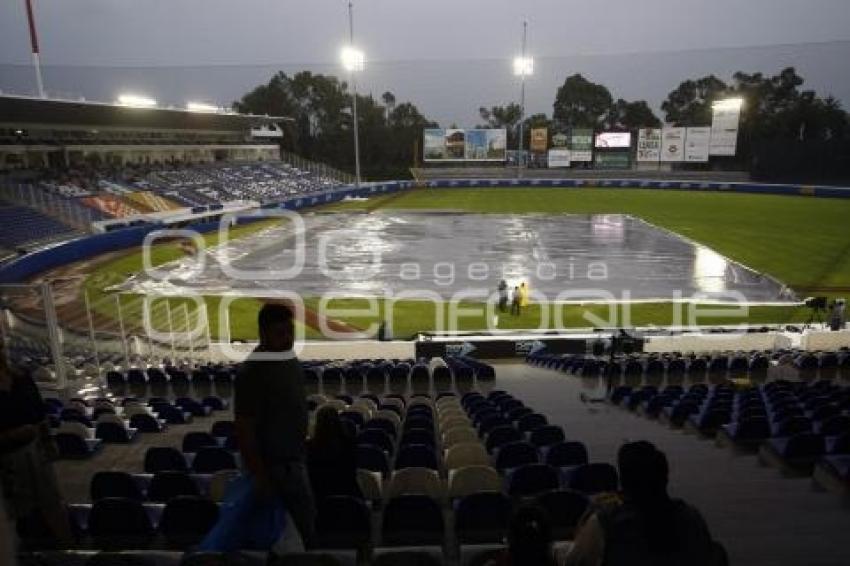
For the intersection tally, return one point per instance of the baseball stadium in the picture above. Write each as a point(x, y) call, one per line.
point(311, 324)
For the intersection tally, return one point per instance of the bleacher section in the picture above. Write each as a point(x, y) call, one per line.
point(20, 225)
point(800, 427)
point(437, 469)
point(81, 196)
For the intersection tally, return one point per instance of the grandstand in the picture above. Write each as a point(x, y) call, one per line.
point(86, 163)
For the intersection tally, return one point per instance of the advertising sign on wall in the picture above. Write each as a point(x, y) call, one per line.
point(539, 139)
point(697, 144)
point(464, 145)
point(581, 144)
point(672, 145)
point(559, 158)
point(724, 127)
point(649, 144)
point(605, 140)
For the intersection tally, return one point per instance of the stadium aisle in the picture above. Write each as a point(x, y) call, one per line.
point(746, 504)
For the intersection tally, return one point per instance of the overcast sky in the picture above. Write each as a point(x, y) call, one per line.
point(421, 49)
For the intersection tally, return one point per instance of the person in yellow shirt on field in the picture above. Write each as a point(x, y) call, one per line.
point(523, 295)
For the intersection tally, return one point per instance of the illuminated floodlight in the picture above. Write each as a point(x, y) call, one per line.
point(136, 101)
point(353, 60)
point(201, 107)
point(728, 104)
point(523, 66)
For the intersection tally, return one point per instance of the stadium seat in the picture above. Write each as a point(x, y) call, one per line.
point(482, 518)
point(342, 522)
point(416, 456)
point(566, 454)
point(473, 479)
point(118, 523)
point(415, 481)
point(114, 484)
point(594, 478)
point(532, 479)
point(212, 459)
point(412, 520)
point(167, 485)
point(162, 459)
point(466, 454)
point(565, 508)
point(186, 519)
point(515, 454)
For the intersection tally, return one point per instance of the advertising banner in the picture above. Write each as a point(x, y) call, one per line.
point(612, 160)
point(560, 139)
point(672, 145)
point(539, 139)
point(649, 144)
point(559, 158)
point(581, 144)
point(724, 128)
point(434, 144)
point(607, 140)
point(697, 144)
point(464, 145)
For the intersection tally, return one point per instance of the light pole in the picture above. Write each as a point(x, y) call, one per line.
point(36, 60)
point(523, 66)
point(353, 60)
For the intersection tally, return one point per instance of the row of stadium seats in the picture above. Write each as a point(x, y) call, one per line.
point(796, 426)
point(692, 365)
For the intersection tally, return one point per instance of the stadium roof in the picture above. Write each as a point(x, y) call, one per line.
point(28, 112)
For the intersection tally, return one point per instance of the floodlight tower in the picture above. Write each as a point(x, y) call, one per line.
point(523, 67)
point(353, 60)
point(36, 61)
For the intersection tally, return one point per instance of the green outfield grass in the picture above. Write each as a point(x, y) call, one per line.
point(802, 241)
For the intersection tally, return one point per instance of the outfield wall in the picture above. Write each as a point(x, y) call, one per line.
point(28, 266)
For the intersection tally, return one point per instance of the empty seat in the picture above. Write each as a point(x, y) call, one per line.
point(564, 454)
point(376, 437)
point(373, 458)
point(143, 422)
point(114, 484)
point(186, 519)
point(416, 456)
point(473, 479)
point(594, 478)
point(501, 435)
point(531, 422)
point(212, 459)
point(116, 522)
point(459, 435)
point(415, 481)
point(113, 432)
point(412, 519)
point(565, 508)
point(482, 518)
point(194, 441)
point(466, 454)
point(532, 479)
point(167, 485)
point(515, 454)
point(342, 522)
point(73, 446)
point(164, 458)
point(223, 429)
point(546, 435)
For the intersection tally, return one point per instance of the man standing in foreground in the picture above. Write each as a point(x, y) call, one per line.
point(271, 418)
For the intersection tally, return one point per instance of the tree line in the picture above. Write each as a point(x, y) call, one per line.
point(777, 112)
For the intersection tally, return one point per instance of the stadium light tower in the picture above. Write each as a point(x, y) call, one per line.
point(36, 60)
point(354, 61)
point(136, 101)
point(523, 67)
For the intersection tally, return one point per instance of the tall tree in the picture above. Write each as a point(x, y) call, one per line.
point(626, 115)
point(320, 107)
point(507, 117)
point(690, 103)
point(581, 103)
